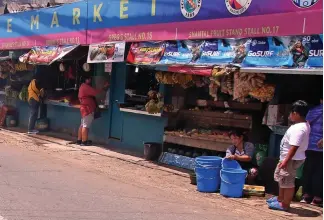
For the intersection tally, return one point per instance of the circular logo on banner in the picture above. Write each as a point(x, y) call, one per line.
point(304, 3)
point(190, 8)
point(237, 7)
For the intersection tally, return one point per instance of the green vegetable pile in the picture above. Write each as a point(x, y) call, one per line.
point(23, 95)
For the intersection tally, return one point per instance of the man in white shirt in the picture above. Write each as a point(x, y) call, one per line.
point(292, 156)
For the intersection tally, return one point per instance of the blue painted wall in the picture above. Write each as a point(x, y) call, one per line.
point(135, 128)
point(23, 113)
point(67, 120)
point(141, 128)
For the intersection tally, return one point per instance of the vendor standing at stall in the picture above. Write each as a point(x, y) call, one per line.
point(242, 151)
point(35, 94)
point(88, 106)
point(313, 167)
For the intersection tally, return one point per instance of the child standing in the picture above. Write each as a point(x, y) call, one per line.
point(292, 156)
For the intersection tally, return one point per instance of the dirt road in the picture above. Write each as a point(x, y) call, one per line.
point(44, 179)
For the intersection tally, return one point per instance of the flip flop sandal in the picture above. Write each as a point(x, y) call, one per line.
point(75, 142)
point(306, 200)
point(272, 199)
point(277, 206)
point(317, 203)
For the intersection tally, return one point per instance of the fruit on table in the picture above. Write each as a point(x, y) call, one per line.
point(168, 108)
point(154, 105)
point(193, 131)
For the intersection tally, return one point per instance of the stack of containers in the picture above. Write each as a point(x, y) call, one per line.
point(232, 179)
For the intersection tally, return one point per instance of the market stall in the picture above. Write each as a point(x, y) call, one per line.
point(204, 97)
point(260, 26)
point(14, 79)
point(61, 70)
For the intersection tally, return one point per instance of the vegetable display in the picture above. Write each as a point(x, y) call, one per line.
point(184, 80)
point(23, 95)
point(154, 105)
point(244, 83)
point(264, 93)
point(223, 79)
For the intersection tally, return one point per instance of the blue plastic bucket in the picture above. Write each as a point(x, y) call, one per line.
point(208, 179)
point(232, 182)
point(230, 164)
point(208, 161)
point(208, 173)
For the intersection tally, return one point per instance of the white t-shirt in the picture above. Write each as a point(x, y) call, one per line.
point(296, 135)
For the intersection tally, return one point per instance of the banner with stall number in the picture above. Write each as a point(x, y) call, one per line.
point(146, 53)
point(106, 52)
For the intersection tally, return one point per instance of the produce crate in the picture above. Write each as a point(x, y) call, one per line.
point(196, 142)
point(206, 119)
point(250, 190)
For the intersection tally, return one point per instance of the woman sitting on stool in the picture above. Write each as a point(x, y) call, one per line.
point(242, 151)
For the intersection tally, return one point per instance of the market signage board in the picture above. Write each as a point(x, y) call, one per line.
point(139, 20)
point(96, 21)
point(292, 51)
point(106, 52)
point(61, 25)
point(46, 55)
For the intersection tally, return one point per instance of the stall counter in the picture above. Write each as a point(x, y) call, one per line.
point(140, 128)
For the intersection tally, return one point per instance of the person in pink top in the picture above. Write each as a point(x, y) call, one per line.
point(88, 105)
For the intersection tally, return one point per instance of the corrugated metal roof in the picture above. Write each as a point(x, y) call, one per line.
point(14, 6)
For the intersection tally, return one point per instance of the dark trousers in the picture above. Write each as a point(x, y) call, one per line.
point(313, 174)
point(33, 115)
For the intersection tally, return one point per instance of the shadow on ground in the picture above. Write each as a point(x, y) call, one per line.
point(304, 212)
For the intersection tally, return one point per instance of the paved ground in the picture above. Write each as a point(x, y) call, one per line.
point(44, 179)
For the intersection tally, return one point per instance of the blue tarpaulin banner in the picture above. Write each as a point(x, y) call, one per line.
point(292, 51)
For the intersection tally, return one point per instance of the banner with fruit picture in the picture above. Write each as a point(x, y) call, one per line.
point(106, 52)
